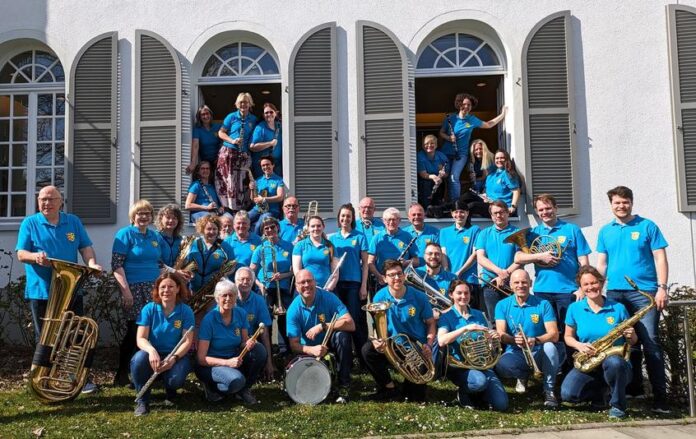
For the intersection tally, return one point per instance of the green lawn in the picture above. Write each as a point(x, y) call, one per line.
point(110, 414)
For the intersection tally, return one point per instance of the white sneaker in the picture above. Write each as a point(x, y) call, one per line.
point(521, 386)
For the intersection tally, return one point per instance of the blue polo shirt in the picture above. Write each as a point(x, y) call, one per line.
point(301, 318)
point(257, 311)
point(407, 315)
point(270, 185)
point(432, 166)
point(453, 320)
point(428, 235)
point(166, 331)
point(288, 232)
point(243, 250)
point(590, 326)
point(264, 265)
point(142, 253)
point(353, 244)
point(233, 125)
point(208, 142)
point(560, 278)
point(629, 252)
point(225, 340)
point(491, 240)
point(385, 246)
point(262, 134)
point(458, 244)
point(60, 241)
point(441, 281)
point(209, 260)
point(532, 316)
point(462, 127)
point(316, 259)
point(169, 248)
point(369, 232)
point(499, 186)
point(202, 197)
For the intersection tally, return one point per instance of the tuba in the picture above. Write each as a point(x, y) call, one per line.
point(64, 354)
point(540, 244)
point(437, 300)
point(405, 355)
point(478, 348)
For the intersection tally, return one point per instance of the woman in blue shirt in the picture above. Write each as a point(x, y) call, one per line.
point(504, 184)
point(316, 254)
point(205, 143)
point(267, 141)
point(202, 198)
point(481, 164)
point(208, 251)
point(162, 324)
point(169, 223)
point(433, 168)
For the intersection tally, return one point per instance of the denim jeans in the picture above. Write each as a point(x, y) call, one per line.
point(455, 187)
point(38, 312)
point(342, 345)
point(560, 303)
point(648, 337)
point(491, 298)
point(256, 219)
point(548, 357)
point(615, 372)
point(228, 380)
point(482, 382)
point(349, 293)
point(173, 379)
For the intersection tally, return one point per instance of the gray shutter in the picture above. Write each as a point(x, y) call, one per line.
point(157, 119)
point(313, 133)
point(550, 113)
point(682, 51)
point(385, 134)
point(92, 163)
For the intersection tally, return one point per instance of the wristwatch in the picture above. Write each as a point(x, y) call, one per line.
point(664, 286)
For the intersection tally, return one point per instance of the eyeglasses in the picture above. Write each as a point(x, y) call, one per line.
point(226, 296)
point(395, 275)
point(143, 213)
point(271, 227)
point(269, 112)
point(292, 206)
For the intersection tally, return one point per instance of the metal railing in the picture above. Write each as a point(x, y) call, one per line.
point(689, 354)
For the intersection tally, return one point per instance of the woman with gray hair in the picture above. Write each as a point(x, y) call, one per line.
point(223, 332)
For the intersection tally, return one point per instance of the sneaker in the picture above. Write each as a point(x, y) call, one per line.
point(550, 400)
point(141, 409)
point(464, 401)
point(210, 394)
point(521, 386)
point(660, 406)
point(89, 388)
point(170, 399)
point(385, 394)
point(615, 413)
point(343, 395)
point(246, 397)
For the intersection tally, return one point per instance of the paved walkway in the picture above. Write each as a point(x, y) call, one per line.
point(617, 432)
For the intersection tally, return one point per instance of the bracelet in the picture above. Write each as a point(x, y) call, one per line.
point(323, 326)
point(663, 286)
point(175, 357)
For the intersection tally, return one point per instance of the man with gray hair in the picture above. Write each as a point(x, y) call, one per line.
point(391, 243)
point(257, 312)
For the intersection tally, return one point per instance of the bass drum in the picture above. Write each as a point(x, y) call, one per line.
point(307, 380)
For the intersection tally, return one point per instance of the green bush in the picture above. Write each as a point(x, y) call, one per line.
point(672, 339)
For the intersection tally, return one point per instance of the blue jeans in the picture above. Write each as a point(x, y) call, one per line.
point(483, 382)
point(349, 293)
point(38, 312)
point(560, 303)
point(615, 372)
point(256, 219)
point(491, 298)
point(648, 337)
point(195, 216)
point(174, 378)
point(548, 357)
point(455, 187)
point(228, 380)
point(342, 346)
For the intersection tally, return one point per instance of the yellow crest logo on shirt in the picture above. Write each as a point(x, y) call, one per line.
point(322, 318)
point(253, 247)
point(155, 243)
point(561, 239)
point(610, 320)
point(428, 241)
point(535, 318)
point(401, 244)
point(272, 185)
point(354, 242)
point(70, 236)
point(237, 332)
point(250, 317)
point(635, 236)
point(216, 256)
point(465, 240)
point(177, 324)
point(411, 311)
point(285, 254)
point(442, 291)
point(467, 125)
point(326, 252)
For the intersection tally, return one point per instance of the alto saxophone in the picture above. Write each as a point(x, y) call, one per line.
point(200, 300)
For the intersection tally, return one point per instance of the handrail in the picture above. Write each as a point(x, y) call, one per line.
point(689, 360)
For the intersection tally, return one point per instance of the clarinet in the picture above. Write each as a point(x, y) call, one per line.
point(451, 132)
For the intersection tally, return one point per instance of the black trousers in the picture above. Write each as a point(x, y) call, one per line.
point(378, 366)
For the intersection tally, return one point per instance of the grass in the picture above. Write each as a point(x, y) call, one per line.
point(109, 413)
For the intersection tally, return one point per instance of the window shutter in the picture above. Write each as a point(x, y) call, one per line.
point(158, 120)
point(550, 113)
point(682, 54)
point(92, 150)
point(386, 153)
point(313, 135)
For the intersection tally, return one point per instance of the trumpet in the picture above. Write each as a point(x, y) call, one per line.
point(312, 210)
point(503, 290)
point(528, 355)
point(278, 308)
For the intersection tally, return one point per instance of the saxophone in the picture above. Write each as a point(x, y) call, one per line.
point(200, 300)
point(64, 354)
point(184, 250)
point(604, 347)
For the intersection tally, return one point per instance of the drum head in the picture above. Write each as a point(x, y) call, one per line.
point(307, 380)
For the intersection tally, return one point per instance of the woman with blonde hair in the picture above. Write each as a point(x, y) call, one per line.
point(433, 168)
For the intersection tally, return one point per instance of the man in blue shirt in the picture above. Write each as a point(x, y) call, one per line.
point(392, 243)
point(270, 192)
point(433, 272)
point(369, 226)
point(425, 234)
point(634, 246)
point(457, 243)
point(308, 320)
point(538, 322)
point(292, 224)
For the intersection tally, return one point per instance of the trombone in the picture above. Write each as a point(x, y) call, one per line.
point(312, 210)
point(278, 308)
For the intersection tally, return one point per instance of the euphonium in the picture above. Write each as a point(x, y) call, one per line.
point(604, 346)
point(64, 354)
point(405, 355)
point(437, 300)
point(478, 348)
point(540, 244)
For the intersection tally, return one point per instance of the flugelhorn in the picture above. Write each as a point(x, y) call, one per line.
point(540, 244)
point(503, 290)
point(528, 354)
point(437, 300)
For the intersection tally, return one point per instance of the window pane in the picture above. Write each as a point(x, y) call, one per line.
point(469, 41)
point(44, 59)
point(228, 52)
point(59, 181)
point(427, 58)
point(24, 76)
point(488, 57)
point(443, 64)
point(227, 72)
point(19, 205)
point(4, 180)
point(60, 128)
point(4, 155)
point(471, 61)
point(4, 106)
point(268, 65)
point(19, 130)
point(43, 154)
point(22, 59)
point(21, 105)
point(58, 73)
point(251, 50)
point(254, 71)
point(60, 104)
point(60, 154)
point(43, 178)
point(19, 180)
point(246, 63)
point(212, 66)
point(444, 43)
point(6, 74)
point(45, 105)
point(19, 154)
point(4, 130)
point(40, 76)
point(44, 129)
point(3, 205)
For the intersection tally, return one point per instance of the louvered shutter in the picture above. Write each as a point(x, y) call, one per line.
point(386, 154)
point(313, 135)
point(158, 120)
point(682, 50)
point(550, 113)
point(92, 150)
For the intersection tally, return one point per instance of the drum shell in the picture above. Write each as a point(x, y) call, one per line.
point(307, 380)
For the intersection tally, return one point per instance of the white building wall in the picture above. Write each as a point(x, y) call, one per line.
point(624, 123)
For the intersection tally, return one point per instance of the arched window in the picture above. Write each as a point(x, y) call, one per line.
point(32, 130)
point(240, 60)
point(458, 52)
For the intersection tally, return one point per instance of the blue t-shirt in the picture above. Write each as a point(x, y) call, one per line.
point(560, 278)
point(288, 232)
point(243, 250)
point(316, 259)
point(270, 185)
point(491, 240)
point(225, 340)
point(499, 186)
point(458, 244)
point(432, 166)
point(590, 326)
point(60, 241)
point(629, 252)
point(480, 184)
point(428, 235)
point(203, 196)
point(301, 317)
point(209, 260)
point(233, 125)
point(453, 320)
point(142, 254)
point(208, 142)
point(353, 245)
point(262, 134)
point(170, 247)
point(440, 281)
point(166, 331)
point(532, 316)
point(263, 260)
point(462, 127)
point(407, 315)
point(385, 246)
point(375, 227)
point(257, 311)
